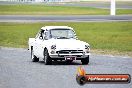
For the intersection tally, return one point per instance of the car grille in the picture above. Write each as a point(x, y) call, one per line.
point(69, 51)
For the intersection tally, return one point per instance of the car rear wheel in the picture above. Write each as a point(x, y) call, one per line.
point(47, 59)
point(85, 61)
point(33, 57)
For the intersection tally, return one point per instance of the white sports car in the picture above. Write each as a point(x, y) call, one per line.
point(58, 43)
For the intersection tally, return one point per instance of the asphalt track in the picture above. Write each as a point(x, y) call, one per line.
point(67, 18)
point(17, 71)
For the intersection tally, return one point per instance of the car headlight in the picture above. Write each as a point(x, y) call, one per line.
point(53, 47)
point(87, 48)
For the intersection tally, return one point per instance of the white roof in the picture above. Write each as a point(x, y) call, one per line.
point(55, 27)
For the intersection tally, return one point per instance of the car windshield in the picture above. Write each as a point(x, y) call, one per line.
point(62, 33)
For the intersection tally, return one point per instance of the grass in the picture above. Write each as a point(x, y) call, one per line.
point(109, 36)
point(124, 11)
point(55, 10)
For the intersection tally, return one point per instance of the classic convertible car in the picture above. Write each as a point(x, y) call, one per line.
point(57, 43)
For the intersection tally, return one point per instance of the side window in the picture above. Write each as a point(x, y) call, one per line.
point(46, 35)
point(41, 35)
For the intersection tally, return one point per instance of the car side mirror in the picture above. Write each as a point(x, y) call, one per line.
point(40, 37)
point(45, 38)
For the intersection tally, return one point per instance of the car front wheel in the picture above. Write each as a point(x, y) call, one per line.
point(47, 59)
point(85, 61)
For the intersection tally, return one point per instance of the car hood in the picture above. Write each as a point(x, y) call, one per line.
point(68, 44)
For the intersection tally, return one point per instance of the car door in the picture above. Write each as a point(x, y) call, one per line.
point(39, 44)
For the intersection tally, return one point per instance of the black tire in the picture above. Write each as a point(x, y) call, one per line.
point(47, 59)
point(33, 57)
point(85, 61)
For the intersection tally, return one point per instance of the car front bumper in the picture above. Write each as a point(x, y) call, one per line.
point(62, 56)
